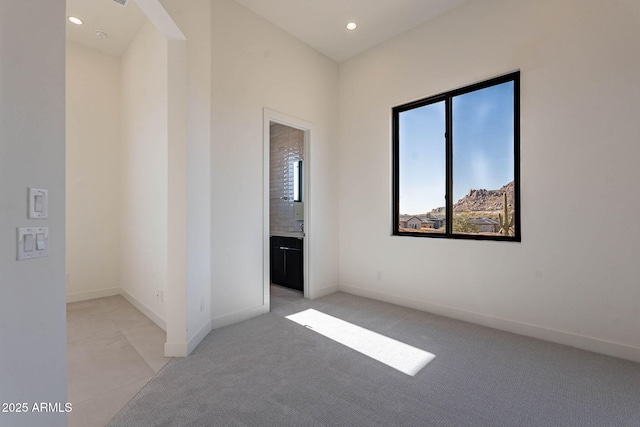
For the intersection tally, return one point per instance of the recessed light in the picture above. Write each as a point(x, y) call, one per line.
point(75, 20)
point(101, 34)
point(351, 26)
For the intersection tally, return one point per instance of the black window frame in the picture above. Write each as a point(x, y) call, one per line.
point(447, 97)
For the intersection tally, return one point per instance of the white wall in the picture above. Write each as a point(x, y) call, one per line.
point(574, 277)
point(256, 65)
point(93, 173)
point(232, 77)
point(144, 171)
point(194, 20)
point(32, 292)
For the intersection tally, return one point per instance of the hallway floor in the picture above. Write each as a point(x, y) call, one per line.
point(282, 296)
point(113, 350)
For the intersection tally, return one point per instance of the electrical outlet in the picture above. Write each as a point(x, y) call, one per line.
point(161, 296)
point(379, 275)
point(202, 304)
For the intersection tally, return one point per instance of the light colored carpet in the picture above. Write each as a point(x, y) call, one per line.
point(403, 357)
point(269, 371)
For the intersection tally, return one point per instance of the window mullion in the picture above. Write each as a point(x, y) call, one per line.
point(449, 164)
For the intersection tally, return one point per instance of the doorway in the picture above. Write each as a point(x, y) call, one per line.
point(121, 238)
point(286, 204)
point(137, 244)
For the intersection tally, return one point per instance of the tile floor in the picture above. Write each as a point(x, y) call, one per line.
point(113, 350)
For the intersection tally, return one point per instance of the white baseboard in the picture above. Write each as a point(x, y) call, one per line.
point(84, 296)
point(238, 316)
point(152, 315)
point(175, 349)
point(318, 293)
point(579, 341)
point(198, 337)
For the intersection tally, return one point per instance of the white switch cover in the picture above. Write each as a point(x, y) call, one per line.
point(33, 242)
point(38, 203)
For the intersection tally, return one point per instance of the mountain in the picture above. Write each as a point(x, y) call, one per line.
point(483, 200)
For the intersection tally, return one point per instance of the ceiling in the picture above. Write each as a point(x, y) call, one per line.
point(321, 23)
point(120, 23)
point(318, 23)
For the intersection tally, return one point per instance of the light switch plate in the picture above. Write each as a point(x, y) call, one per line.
point(298, 211)
point(32, 242)
point(38, 203)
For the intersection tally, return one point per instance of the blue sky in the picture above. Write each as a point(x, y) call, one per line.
point(482, 148)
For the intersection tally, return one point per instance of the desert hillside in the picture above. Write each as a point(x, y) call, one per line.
point(483, 200)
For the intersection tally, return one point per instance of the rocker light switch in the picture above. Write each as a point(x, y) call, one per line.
point(40, 241)
point(28, 242)
point(39, 205)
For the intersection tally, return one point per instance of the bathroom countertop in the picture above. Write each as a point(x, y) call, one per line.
point(299, 235)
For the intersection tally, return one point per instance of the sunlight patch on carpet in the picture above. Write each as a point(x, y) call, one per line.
point(403, 357)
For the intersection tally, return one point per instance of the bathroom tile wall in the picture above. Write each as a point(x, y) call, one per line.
point(287, 147)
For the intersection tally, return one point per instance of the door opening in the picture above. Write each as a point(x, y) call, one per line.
point(286, 202)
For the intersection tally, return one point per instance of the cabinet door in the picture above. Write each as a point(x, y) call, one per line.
point(277, 262)
point(286, 262)
point(293, 272)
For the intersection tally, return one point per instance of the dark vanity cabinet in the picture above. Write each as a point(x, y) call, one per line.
point(286, 262)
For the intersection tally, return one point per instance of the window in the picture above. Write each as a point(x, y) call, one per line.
point(456, 163)
point(297, 181)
